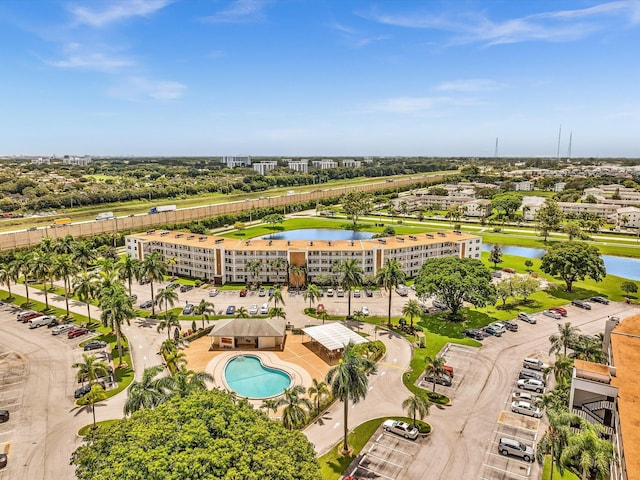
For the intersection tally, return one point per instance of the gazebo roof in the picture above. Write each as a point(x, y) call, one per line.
point(333, 336)
point(249, 327)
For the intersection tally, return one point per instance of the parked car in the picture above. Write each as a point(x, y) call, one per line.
point(368, 292)
point(340, 292)
point(507, 446)
point(77, 332)
point(525, 397)
point(356, 294)
point(231, 309)
point(401, 428)
point(253, 309)
point(272, 291)
point(40, 321)
point(561, 310)
point(440, 379)
point(243, 292)
point(581, 304)
point(173, 285)
point(25, 318)
point(499, 325)
point(439, 304)
point(53, 323)
point(186, 288)
point(4, 416)
point(511, 325)
point(3, 460)
point(531, 385)
point(264, 309)
point(496, 274)
point(83, 390)
point(493, 330)
point(527, 317)
point(552, 314)
point(61, 329)
point(508, 270)
point(26, 313)
point(365, 311)
point(531, 374)
point(533, 364)
point(262, 292)
point(329, 292)
point(525, 408)
point(99, 376)
point(474, 333)
point(448, 369)
point(213, 292)
point(94, 345)
point(402, 290)
point(604, 301)
point(144, 281)
point(320, 308)
point(146, 304)
point(424, 308)
point(188, 309)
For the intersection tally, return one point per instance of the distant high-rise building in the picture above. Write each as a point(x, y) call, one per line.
point(264, 167)
point(301, 165)
point(325, 164)
point(351, 163)
point(76, 161)
point(236, 161)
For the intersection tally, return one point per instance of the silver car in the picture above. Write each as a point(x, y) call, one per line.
point(552, 314)
point(525, 408)
point(401, 428)
point(508, 446)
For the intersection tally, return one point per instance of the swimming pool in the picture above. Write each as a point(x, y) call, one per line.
point(248, 377)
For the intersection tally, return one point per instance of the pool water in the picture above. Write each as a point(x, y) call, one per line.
point(246, 376)
point(319, 234)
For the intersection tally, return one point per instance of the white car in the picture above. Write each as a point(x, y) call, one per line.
point(400, 428)
point(525, 397)
point(525, 317)
point(213, 292)
point(40, 321)
point(365, 311)
point(525, 408)
point(253, 309)
point(329, 292)
point(531, 384)
point(58, 329)
point(356, 294)
point(264, 309)
point(552, 314)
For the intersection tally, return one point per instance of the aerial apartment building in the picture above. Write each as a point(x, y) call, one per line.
point(351, 163)
point(301, 165)
point(223, 260)
point(324, 164)
point(265, 167)
point(236, 161)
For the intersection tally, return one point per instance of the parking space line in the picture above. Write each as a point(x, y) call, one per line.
point(486, 465)
point(373, 471)
point(383, 460)
point(519, 460)
point(391, 448)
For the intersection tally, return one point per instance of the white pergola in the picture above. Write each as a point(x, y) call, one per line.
point(333, 336)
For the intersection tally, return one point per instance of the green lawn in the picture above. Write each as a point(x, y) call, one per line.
point(546, 472)
point(87, 428)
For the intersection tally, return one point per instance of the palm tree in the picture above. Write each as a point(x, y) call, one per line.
point(293, 413)
point(242, 312)
point(277, 312)
point(412, 309)
point(566, 335)
point(5, 277)
point(324, 316)
point(351, 272)
point(85, 288)
point(318, 390)
point(153, 268)
point(83, 254)
point(562, 369)
point(276, 296)
point(434, 368)
point(128, 268)
point(148, 392)
point(168, 296)
point(555, 438)
point(588, 452)
point(117, 308)
point(278, 264)
point(169, 320)
point(416, 405)
point(204, 308)
point(90, 369)
point(348, 381)
point(270, 404)
point(64, 268)
point(40, 269)
point(254, 267)
point(390, 276)
point(299, 275)
point(92, 397)
point(23, 266)
point(311, 293)
point(64, 245)
point(589, 349)
point(186, 381)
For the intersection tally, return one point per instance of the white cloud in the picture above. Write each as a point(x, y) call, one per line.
point(409, 105)
point(92, 61)
point(142, 88)
point(470, 85)
point(240, 11)
point(353, 37)
point(115, 11)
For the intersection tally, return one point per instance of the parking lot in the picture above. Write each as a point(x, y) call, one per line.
point(386, 456)
point(460, 358)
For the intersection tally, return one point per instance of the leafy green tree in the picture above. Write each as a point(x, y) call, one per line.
point(276, 296)
point(528, 263)
point(168, 296)
point(65, 268)
point(454, 280)
point(273, 219)
point(495, 256)
point(589, 348)
point(573, 262)
point(525, 286)
point(293, 413)
point(318, 390)
point(184, 382)
point(40, 267)
point(350, 277)
point(278, 264)
point(555, 438)
point(5, 277)
point(629, 287)
point(574, 230)
point(412, 309)
point(153, 268)
point(90, 368)
point(390, 276)
point(348, 381)
point(204, 309)
point(549, 218)
point(169, 320)
point(254, 266)
point(117, 308)
point(176, 440)
point(504, 290)
point(83, 254)
point(356, 204)
point(562, 369)
point(566, 335)
point(128, 269)
point(589, 453)
point(434, 368)
point(242, 312)
point(278, 312)
point(416, 405)
point(507, 202)
point(149, 392)
point(270, 404)
point(85, 288)
point(311, 293)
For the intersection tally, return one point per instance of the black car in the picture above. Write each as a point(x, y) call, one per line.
point(424, 308)
point(94, 345)
point(109, 375)
point(54, 321)
point(186, 288)
point(474, 333)
point(511, 325)
point(3, 460)
point(173, 285)
point(581, 304)
point(368, 292)
point(83, 390)
point(146, 304)
point(602, 300)
point(4, 416)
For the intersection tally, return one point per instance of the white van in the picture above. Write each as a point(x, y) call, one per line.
point(40, 321)
point(533, 364)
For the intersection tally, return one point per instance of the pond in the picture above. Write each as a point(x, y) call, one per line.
point(319, 234)
point(619, 266)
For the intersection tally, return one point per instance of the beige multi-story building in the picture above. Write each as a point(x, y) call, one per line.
point(629, 217)
point(325, 164)
point(525, 186)
point(351, 163)
point(606, 211)
point(223, 260)
point(301, 165)
point(265, 167)
point(77, 161)
point(236, 161)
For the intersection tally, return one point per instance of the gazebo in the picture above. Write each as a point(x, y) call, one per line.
point(330, 339)
point(258, 333)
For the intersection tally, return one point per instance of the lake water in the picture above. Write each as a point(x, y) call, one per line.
point(319, 234)
point(619, 266)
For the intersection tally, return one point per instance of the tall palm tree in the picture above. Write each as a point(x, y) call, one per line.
point(293, 413)
point(65, 268)
point(589, 452)
point(412, 309)
point(348, 381)
point(175, 360)
point(351, 276)
point(270, 404)
point(242, 312)
point(117, 308)
point(278, 312)
point(311, 293)
point(64, 245)
point(5, 277)
point(90, 369)
point(128, 268)
point(589, 349)
point(153, 268)
point(324, 316)
point(22, 263)
point(85, 288)
point(390, 276)
point(562, 369)
point(318, 390)
point(15, 269)
point(168, 321)
point(92, 397)
point(417, 405)
point(186, 381)
point(40, 268)
point(254, 267)
point(299, 275)
point(83, 254)
point(564, 338)
point(204, 308)
point(435, 368)
point(278, 264)
point(276, 296)
point(168, 296)
point(555, 438)
point(148, 392)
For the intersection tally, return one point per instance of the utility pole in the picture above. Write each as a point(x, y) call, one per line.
point(495, 155)
point(559, 136)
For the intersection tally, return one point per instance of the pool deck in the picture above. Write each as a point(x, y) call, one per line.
point(297, 359)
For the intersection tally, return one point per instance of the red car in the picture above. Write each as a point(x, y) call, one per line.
point(29, 316)
point(243, 292)
point(320, 308)
point(77, 332)
point(448, 369)
point(508, 270)
point(561, 310)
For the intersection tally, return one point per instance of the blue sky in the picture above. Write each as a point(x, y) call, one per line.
point(297, 77)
